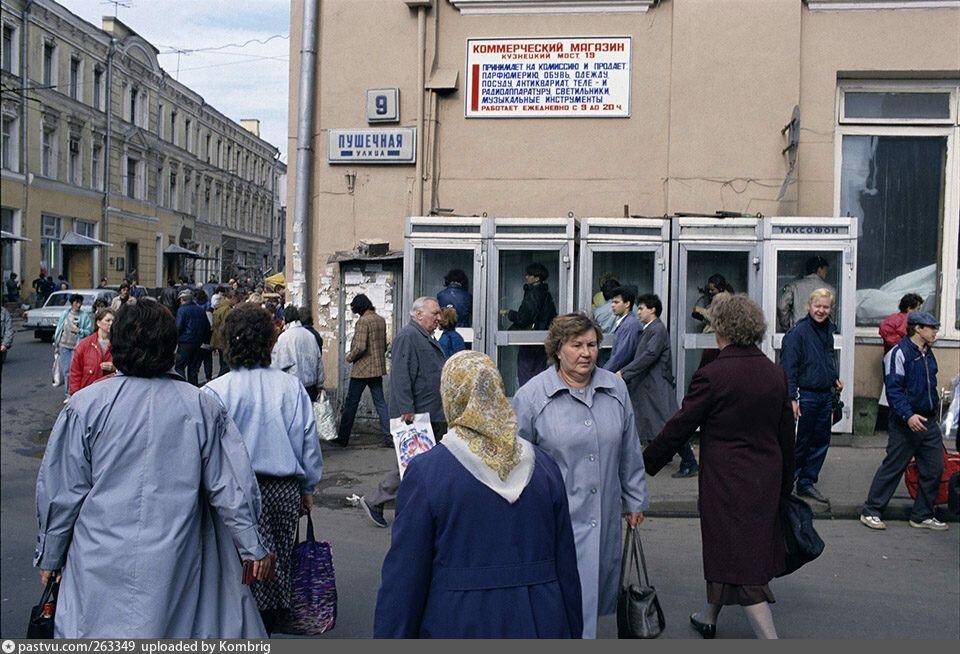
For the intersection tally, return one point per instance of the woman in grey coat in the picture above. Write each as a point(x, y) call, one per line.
point(144, 498)
point(581, 416)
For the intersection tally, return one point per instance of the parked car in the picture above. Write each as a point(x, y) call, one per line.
point(44, 320)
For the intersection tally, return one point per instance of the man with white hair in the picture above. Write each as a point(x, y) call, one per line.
point(417, 360)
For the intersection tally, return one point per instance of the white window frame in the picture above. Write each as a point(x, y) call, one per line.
point(98, 88)
point(75, 89)
point(74, 160)
point(137, 175)
point(13, 65)
point(48, 151)
point(50, 80)
point(96, 162)
point(10, 155)
point(948, 256)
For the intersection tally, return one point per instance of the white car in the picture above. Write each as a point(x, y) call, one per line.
point(44, 320)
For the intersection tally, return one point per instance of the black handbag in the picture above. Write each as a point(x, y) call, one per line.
point(803, 543)
point(837, 415)
point(638, 609)
point(41, 615)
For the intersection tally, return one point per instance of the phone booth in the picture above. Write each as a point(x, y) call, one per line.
point(802, 254)
point(709, 255)
point(515, 246)
point(438, 249)
point(635, 252)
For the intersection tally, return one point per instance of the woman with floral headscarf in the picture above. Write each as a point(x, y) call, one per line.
point(482, 546)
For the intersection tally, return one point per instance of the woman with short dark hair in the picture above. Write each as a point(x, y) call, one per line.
point(275, 416)
point(144, 497)
point(740, 405)
point(74, 325)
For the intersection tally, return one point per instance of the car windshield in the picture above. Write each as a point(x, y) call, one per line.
point(63, 299)
point(58, 300)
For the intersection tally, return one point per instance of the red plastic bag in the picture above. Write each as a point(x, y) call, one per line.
point(951, 465)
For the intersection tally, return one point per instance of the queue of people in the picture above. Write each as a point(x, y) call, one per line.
point(511, 525)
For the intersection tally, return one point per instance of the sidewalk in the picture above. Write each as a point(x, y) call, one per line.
point(845, 479)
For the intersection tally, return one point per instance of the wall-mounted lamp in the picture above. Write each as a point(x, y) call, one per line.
point(351, 177)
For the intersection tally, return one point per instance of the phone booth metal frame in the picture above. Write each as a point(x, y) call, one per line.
point(623, 235)
point(799, 237)
point(525, 235)
point(717, 236)
point(450, 234)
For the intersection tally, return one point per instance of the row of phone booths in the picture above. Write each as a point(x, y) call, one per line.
point(671, 256)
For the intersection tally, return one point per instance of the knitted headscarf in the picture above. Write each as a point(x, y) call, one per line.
point(475, 405)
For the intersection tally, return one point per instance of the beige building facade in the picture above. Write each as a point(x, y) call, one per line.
point(113, 169)
point(752, 107)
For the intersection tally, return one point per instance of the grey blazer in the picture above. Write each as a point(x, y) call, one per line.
point(416, 362)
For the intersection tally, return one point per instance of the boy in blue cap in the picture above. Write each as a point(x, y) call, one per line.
point(910, 374)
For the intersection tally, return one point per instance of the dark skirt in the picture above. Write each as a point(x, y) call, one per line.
point(719, 593)
point(279, 512)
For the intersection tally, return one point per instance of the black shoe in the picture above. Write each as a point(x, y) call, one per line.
point(813, 493)
point(375, 513)
point(708, 631)
point(338, 442)
point(387, 442)
point(683, 473)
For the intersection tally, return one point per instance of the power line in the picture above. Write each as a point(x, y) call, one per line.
point(223, 47)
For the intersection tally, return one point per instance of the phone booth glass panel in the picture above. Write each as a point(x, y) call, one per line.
point(710, 256)
point(810, 253)
point(438, 250)
point(518, 323)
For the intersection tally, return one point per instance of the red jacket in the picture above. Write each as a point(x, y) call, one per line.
point(85, 367)
point(892, 330)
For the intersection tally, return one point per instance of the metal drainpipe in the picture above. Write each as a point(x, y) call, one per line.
point(24, 160)
point(421, 62)
point(108, 154)
point(300, 237)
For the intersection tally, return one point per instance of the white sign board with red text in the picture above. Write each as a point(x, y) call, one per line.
point(581, 77)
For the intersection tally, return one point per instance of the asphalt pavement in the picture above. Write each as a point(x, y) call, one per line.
point(845, 479)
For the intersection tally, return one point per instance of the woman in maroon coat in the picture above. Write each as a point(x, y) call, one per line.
point(739, 402)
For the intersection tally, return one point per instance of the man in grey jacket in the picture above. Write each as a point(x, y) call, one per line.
point(417, 361)
point(6, 334)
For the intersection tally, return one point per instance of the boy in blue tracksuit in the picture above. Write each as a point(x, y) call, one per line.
point(910, 374)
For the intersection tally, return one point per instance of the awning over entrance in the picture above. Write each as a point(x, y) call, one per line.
point(8, 236)
point(81, 241)
point(175, 249)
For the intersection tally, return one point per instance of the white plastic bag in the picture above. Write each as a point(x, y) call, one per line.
point(411, 440)
point(323, 412)
point(55, 371)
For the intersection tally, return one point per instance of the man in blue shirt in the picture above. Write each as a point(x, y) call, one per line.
point(910, 375)
point(193, 330)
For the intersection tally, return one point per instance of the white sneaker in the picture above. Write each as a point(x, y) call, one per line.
point(929, 523)
point(872, 521)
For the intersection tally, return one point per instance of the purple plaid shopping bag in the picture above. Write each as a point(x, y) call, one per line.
point(313, 588)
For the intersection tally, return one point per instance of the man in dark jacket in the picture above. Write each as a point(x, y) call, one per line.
point(810, 363)
point(536, 311)
point(910, 375)
point(168, 297)
point(193, 330)
point(414, 388)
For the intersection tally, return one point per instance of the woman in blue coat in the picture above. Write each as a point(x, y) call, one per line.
point(482, 546)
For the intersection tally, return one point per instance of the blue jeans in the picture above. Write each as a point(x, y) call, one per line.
point(813, 435)
point(66, 358)
point(354, 393)
point(903, 445)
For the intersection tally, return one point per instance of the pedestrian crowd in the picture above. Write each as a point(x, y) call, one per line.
point(511, 525)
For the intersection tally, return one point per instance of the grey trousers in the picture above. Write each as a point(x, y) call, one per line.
point(903, 445)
